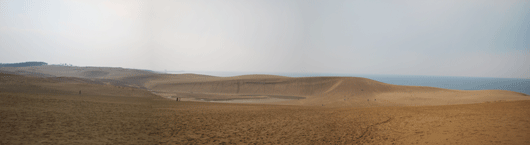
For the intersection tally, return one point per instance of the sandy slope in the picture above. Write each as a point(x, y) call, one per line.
point(320, 91)
point(51, 111)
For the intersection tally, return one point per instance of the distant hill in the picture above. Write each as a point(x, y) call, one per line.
point(76, 71)
point(23, 64)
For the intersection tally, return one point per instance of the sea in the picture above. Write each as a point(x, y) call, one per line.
point(447, 82)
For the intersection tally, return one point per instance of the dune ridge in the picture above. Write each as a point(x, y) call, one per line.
point(324, 91)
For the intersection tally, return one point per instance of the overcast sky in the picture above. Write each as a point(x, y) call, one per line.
point(477, 38)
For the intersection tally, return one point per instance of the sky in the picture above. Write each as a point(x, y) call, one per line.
point(474, 38)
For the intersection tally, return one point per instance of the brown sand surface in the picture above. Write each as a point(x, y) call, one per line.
point(51, 111)
point(488, 123)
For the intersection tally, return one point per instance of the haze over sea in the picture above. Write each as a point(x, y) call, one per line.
point(447, 82)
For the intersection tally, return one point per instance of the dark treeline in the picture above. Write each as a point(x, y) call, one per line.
point(23, 64)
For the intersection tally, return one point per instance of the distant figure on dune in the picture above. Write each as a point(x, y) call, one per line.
point(79, 92)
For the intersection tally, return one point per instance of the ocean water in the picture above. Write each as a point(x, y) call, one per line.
point(447, 82)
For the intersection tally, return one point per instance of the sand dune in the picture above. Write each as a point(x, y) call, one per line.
point(321, 91)
point(315, 91)
point(51, 111)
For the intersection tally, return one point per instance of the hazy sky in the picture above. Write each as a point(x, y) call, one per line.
point(479, 38)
